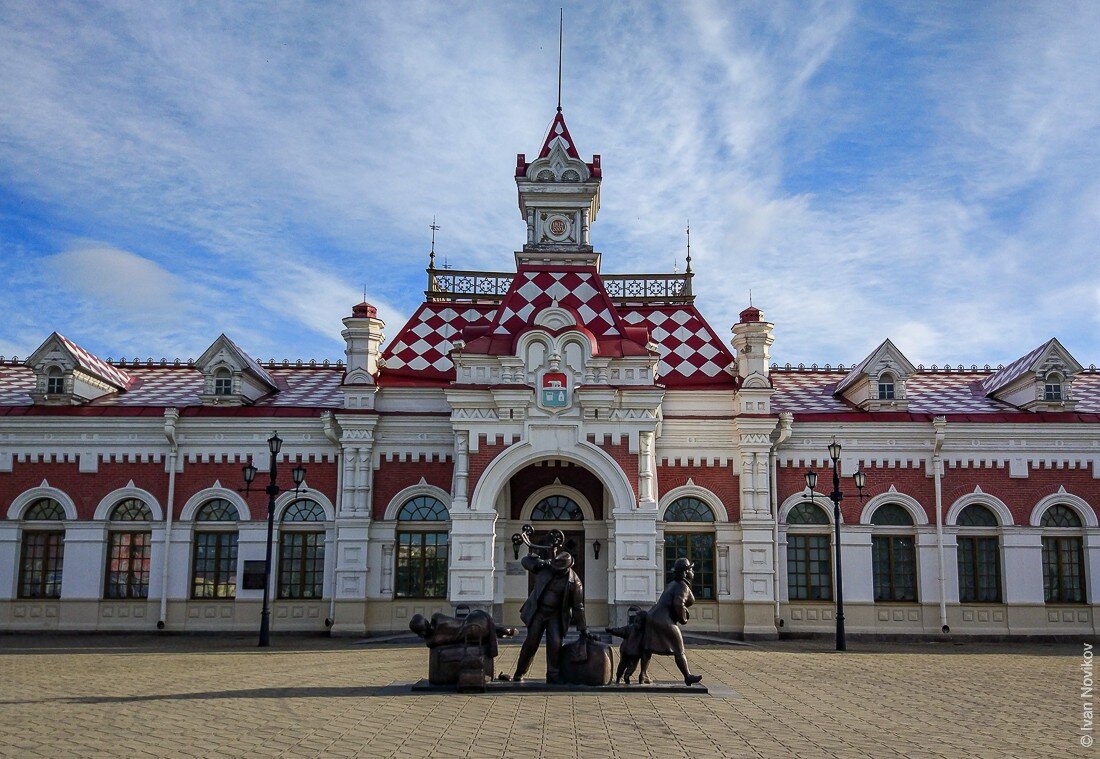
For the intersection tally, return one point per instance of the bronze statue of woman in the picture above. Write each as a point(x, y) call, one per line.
point(662, 624)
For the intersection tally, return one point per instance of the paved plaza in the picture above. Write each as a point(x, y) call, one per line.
point(215, 696)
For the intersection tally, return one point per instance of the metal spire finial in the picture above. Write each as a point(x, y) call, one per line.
point(431, 257)
point(689, 246)
point(561, 28)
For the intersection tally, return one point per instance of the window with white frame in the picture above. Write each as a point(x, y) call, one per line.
point(886, 391)
point(55, 381)
point(223, 382)
point(979, 555)
point(302, 550)
point(893, 554)
point(1063, 555)
point(1052, 387)
point(129, 542)
point(809, 561)
point(422, 548)
point(42, 554)
point(689, 534)
point(214, 560)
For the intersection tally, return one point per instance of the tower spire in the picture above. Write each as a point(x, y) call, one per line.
point(689, 246)
point(431, 257)
point(561, 28)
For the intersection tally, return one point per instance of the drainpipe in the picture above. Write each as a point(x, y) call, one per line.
point(939, 423)
point(786, 419)
point(171, 416)
point(332, 432)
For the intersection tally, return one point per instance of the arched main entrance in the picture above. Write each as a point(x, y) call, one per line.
point(554, 494)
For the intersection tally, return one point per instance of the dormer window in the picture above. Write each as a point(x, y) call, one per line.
point(886, 387)
point(55, 381)
point(1052, 388)
point(223, 382)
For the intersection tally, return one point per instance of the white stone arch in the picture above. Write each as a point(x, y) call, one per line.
point(27, 497)
point(995, 504)
point(821, 499)
point(289, 497)
point(691, 490)
point(1078, 504)
point(547, 444)
point(103, 510)
point(198, 499)
point(420, 488)
point(557, 489)
point(907, 502)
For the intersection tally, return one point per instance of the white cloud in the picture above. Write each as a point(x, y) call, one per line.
point(258, 168)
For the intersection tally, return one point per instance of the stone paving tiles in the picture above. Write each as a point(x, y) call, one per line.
point(77, 696)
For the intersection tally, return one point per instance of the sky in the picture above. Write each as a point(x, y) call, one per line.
point(927, 172)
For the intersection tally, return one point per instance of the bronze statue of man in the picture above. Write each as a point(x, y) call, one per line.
point(556, 601)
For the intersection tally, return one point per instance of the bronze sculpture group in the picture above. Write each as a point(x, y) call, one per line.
point(463, 648)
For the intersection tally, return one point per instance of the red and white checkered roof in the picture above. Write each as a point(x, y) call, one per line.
point(812, 391)
point(164, 385)
point(96, 366)
point(691, 353)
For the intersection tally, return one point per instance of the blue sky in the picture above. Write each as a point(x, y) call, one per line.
point(928, 172)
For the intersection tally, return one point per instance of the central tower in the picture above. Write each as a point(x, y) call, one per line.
point(559, 197)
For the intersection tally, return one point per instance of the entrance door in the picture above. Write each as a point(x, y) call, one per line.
point(574, 544)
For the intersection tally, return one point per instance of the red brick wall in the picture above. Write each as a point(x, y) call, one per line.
point(720, 480)
point(392, 477)
point(87, 489)
point(1020, 495)
point(529, 479)
point(627, 461)
point(480, 461)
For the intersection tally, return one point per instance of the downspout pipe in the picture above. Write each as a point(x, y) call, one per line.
point(171, 417)
point(939, 424)
point(332, 432)
point(782, 435)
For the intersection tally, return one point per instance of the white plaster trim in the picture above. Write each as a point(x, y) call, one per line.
point(908, 502)
point(201, 497)
point(1003, 513)
point(27, 497)
point(103, 510)
point(501, 469)
point(289, 497)
point(420, 488)
point(821, 499)
point(557, 489)
point(713, 502)
point(1078, 504)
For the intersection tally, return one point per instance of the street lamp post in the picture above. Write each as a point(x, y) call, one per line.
point(859, 479)
point(274, 444)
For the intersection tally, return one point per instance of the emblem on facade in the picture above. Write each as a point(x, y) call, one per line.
point(555, 390)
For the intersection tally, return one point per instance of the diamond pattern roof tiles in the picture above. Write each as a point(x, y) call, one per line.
point(97, 366)
point(691, 353)
point(422, 346)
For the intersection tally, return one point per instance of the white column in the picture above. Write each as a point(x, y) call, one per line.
point(9, 560)
point(928, 568)
point(251, 546)
point(856, 555)
point(1022, 554)
point(470, 579)
point(85, 560)
point(460, 499)
point(1092, 565)
point(637, 575)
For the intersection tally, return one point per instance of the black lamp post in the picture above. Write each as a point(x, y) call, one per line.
point(274, 444)
point(859, 479)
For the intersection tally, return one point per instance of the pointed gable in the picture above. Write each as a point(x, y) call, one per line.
point(65, 373)
point(559, 131)
point(232, 377)
point(1039, 380)
point(877, 383)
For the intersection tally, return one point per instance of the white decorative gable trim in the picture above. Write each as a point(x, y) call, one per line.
point(877, 383)
point(1041, 380)
point(231, 377)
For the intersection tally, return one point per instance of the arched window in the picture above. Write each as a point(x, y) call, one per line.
point(42, 558)
point(422, 543)
point(1063, 556)
point(302, 550)
point(690, 535)
point(223, 382)
point(979, 555)
point(557, 508)
point(55, 381)
point(809, 562)
point(423, 508)
point(688, 510)
point(893, 555)
point(886, 387)
point(214, 573)
point(128, 550)
point(1052, 387)
point(44, 510)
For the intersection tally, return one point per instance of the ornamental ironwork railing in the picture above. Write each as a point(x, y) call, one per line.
point(624, 289)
